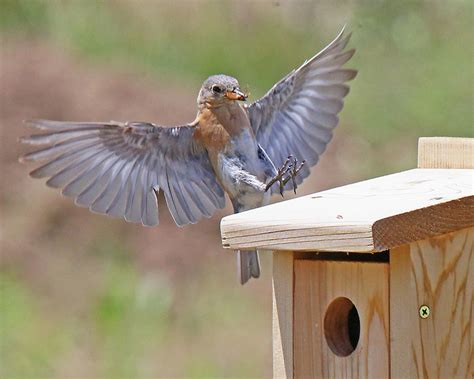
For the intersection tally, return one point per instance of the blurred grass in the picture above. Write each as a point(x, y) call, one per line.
point(23, 333)
point(415, 62)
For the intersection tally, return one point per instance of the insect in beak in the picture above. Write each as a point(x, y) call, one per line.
point(236, 94)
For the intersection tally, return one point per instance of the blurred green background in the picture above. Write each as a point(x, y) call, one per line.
point(85, 296)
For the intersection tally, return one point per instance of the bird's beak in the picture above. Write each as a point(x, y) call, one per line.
point(236, 94)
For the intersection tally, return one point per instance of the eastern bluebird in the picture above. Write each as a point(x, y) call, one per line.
point(246, 151)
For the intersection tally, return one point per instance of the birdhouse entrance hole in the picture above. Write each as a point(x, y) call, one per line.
point(342, 326)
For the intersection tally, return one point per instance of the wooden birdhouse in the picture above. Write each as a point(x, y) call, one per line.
point(373, 279)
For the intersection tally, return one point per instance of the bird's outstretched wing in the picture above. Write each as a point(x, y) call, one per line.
point(118, 168)
point(298, 114)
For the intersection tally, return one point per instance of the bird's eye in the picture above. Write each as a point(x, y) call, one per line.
point(216, 89)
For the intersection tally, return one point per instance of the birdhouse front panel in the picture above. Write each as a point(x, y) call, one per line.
point(341, 319)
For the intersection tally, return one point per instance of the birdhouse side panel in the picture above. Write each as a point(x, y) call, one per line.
point(431, 307)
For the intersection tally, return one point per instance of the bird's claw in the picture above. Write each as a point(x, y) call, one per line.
point(290, 167)
point(294, 170)
point(281, 172)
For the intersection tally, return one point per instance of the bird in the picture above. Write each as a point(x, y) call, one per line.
point(247, 151)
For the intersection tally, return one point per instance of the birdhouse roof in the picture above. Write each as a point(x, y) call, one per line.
point(369, 216)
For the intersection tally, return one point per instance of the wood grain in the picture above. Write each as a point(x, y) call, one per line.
point(438, 272)
point(317, 284)
point(423, 223)
point(445, 152)
point(368, 216)
point(283, 315)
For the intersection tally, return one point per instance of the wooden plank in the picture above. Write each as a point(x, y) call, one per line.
point(283, 315)
point(372, 215)
point(317, 285)
point(445, 152)
point(438, 272)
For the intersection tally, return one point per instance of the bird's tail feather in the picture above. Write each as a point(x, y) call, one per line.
point(248, 264)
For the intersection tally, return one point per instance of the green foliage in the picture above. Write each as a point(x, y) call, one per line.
point(29, 340)
point(415, 72)
point(23, 15)
point(130, 317)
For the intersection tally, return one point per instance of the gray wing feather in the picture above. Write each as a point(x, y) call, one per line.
point(98, 181)
point(118, 168)
point(112, 180)
point(298, 114)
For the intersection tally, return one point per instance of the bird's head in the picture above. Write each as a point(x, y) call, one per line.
point(220, 89)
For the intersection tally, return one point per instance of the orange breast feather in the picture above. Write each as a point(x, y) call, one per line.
point(210, 132)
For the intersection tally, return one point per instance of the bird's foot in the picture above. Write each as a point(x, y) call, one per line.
point(295, 168)
point(280, 176)
point(285, 173)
